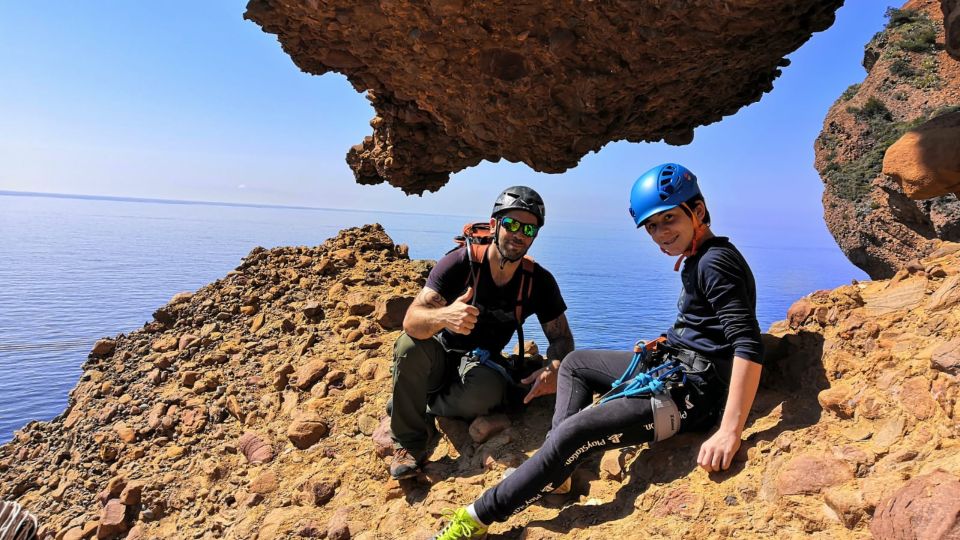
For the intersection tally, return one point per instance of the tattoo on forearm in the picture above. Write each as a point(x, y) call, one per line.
point(560, 336)
point(430, 299)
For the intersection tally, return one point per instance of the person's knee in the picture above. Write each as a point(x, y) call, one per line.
point(479, 402)
point(412, 353)
point(573, 361)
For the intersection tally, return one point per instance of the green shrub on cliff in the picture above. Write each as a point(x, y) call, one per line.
point(911, 30)
point(851, 91)
point(898, 17)
point(851, 179)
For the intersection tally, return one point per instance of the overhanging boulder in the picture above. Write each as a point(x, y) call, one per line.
point(542, 83)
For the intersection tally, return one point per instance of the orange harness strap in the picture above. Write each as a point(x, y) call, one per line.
point(698, 229)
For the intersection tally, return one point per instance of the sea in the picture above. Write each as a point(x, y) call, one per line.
point(76, 269)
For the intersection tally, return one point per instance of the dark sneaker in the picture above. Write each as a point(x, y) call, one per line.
point(404, 464)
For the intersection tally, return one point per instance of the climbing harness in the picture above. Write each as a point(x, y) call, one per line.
point(654, 369)
point(653, 380)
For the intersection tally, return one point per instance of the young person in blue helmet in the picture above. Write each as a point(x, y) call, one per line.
point(708, 366)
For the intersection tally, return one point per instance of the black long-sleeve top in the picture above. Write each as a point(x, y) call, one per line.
point(718, 305)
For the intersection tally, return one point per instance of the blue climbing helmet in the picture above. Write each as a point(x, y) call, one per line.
point(661, 188)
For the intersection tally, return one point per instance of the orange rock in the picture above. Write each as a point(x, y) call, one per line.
point(75, 533)
point(810, 473)
point(847, 504)
point(485, 427)
point(389, 311)
point(264, 483)
point(186, 341)
point(255, 448)
point(257, 322)
point(678, 501)
point(347, 256)
point(165, 344)
point(112, 520)
point(180, 298)
point(306, 430)
point(383, 438)
point(338, 528)
point(317, 492)
point(104, 347)
point(925, 507)
point(189, 378)
point(915, 397)
point(308, 374)
point(132, 493)
point(352, 402)
point(838, 399)
point(352, 336)
point(946, 357)
point(359, 303)
point(926, 159)
point(799, 312)
point(125, 432)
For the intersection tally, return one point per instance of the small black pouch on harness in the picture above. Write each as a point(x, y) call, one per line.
point(703, 377)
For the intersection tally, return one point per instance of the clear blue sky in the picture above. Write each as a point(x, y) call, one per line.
point(186, 100)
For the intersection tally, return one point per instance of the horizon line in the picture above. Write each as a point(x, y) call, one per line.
point(187, 202)
point(120, 198)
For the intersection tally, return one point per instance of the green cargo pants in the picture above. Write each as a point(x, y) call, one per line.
point(427, 380)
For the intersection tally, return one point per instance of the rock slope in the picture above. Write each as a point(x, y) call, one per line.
point(251, 409)
point(910, 80)
point(542, 83)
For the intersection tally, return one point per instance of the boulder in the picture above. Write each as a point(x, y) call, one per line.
point(926, 507)
point(578, 75)
point(359, 303)
point(255, 448)
point(389, 311)
point(338, 528)
point(926, 160)
point(317, 492)
point(951, 20)
point(308, 374)
point(946, 357)
point(264, 483)
point(383, 438)
point(484, 427)
point(810, 473)
point(112, 520)
point(306, 430)
point(104, 347)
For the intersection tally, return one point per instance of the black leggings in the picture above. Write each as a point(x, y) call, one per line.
point(577, 433)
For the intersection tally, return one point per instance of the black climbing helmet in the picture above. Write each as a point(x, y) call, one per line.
point(520, 198)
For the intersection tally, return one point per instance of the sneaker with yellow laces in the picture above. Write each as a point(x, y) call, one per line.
point(461, 525)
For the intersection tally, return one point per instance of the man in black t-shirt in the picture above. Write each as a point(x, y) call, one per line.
point(468, 310)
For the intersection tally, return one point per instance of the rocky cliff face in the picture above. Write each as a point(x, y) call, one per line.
point(251, 409)
point(951, 19)
point(910, 80)
point(454, 82)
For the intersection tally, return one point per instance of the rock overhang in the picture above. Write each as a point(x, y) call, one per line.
point(454, 83)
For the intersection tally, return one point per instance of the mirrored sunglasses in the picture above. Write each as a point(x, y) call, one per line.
point(513, 225)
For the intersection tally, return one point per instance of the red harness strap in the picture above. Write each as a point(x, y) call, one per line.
point(698, 229)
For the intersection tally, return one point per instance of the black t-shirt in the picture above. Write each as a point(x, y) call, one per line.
point(497, 320)
point(718, 306)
